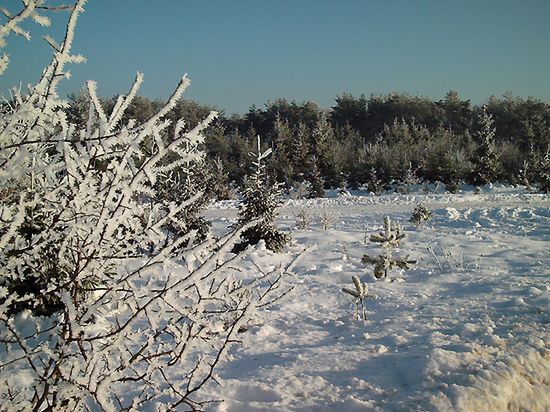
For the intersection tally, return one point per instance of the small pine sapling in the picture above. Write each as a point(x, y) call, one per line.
point(410, 178)
point(359, 295)
point(420, 215)
point(302, 220)
point(388, 239)
point(326, 219)
point(374, 183)
point(260, 200)
point(301, 190)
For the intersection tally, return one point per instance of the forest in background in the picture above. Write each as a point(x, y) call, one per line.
point(369, 142)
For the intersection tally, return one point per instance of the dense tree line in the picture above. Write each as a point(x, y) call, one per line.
point(372, 142)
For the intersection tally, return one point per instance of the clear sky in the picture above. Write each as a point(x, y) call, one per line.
point(244, 52)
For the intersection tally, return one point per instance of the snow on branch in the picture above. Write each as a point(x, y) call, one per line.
point(109, 298)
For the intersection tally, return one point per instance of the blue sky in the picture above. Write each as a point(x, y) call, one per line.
point(244, 52)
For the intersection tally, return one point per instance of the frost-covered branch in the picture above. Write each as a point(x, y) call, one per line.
point(111, 296)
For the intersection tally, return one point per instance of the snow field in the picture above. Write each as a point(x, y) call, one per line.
point(465, 329)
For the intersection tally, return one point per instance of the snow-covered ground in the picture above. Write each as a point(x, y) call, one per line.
point(467, 328)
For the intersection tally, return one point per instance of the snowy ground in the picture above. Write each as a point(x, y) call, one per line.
point(466, 329)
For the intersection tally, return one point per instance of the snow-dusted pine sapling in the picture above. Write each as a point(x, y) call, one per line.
point(390, 238)
point(326, 218)
point(410, 178)
point(302, 219)
point(300, 190)
point(359, 294)
point(374, 183)
point(102, 308)
point(420, 214)
point(260, 201)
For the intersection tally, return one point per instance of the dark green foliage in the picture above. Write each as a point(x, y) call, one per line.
point(323, 148)
point(448, 140)
point(218, 181)
point(523, 121)
point(350, 112)
point(457, 114)
point(542, 173)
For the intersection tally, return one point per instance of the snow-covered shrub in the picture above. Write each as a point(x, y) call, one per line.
point(101, 306)
point(390, 238)
point(420, 214)
point(451, 258)
point(260, 201)
point(359, 295)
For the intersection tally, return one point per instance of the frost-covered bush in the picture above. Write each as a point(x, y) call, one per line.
point(420, 214)
point(388, 239)
point(102, 305)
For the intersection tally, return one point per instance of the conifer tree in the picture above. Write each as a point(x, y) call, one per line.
point(260, 201)
point(315, 179)
point(390, 238)
point(487, 156)
point(323, 146)
point(281, 165)
point(543, 173)
point(218, 180)
point(300, 152)
point(358, 294)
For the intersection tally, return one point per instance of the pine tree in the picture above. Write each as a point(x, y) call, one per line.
point(260, 201)
point(323, 146)
point(300, 152)
point(487, 156)
point(314, 177)
point(542, 177)
point(181, 186)
point(390, 238)
point(420, 214)
point(218, 180)
point(281, 165)
point(359, 294)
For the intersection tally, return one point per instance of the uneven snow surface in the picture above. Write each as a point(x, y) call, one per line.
point(466, 329)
